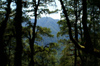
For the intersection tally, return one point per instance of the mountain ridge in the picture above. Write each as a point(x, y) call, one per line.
point(49, 23)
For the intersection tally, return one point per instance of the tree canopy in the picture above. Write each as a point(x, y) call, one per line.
point(77, 42)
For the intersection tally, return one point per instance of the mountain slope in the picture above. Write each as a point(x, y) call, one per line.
point(52, 24)
point(49, 23)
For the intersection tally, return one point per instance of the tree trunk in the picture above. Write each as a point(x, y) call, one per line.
point(3, 57)
point(18, 29)
point(33, 38)
point(88, 42)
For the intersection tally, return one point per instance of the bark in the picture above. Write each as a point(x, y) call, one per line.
point(3, 57)
point(18, 29)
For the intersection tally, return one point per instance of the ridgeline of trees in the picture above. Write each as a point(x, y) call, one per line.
point(79, 25)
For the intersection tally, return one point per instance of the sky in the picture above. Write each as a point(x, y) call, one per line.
point(54, 15)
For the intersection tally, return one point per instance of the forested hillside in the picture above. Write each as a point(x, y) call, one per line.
point(29, 39)
point(49, 23)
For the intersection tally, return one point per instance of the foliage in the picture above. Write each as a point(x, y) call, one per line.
point(24, 45)
point(81, 27)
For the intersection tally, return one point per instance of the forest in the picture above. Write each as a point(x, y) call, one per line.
point(73, 40)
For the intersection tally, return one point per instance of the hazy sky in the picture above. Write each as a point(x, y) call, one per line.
point(54, 16)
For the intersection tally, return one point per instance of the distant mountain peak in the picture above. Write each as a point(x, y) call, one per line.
point(47, 18)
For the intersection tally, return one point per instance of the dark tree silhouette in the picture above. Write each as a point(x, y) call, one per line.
point(88, 48)
point(18, 29)
point(3, 57)
point(33, 37)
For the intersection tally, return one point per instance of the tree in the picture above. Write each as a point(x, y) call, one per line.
point(32, 40)
point(45, 55)
point(68, 53)
point(87, 26)
point(3, 57)
point(38, 50)
point(88, 48)
point(18, 29)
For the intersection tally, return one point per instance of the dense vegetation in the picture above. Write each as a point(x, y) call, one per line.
point(71, 41)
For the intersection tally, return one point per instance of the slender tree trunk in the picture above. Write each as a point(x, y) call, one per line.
point(88, 42)
point(3, 57)
point(69, 26)
point(33, 38)
point(75, 61)
point(18, 28)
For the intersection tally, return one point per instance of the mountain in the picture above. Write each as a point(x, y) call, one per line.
point(49, 23)
point(52, 24)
